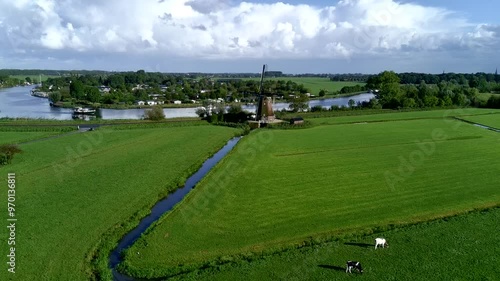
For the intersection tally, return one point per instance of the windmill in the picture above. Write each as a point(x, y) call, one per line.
point(265, 112)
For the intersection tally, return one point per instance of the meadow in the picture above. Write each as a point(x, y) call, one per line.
point(492, 120)
point(460, 248)
point(34, 78)
point(19, 137)
point(356, 116)
point(282, 188)
point(315, 84)
point(15, 134)
point(78, 194)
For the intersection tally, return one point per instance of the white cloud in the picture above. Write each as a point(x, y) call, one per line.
point(221, 29)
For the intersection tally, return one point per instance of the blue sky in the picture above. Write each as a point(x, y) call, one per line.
point(365, 36)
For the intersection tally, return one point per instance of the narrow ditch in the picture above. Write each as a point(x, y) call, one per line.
point(164, 206)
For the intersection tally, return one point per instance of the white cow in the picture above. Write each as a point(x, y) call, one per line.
point(381, 242)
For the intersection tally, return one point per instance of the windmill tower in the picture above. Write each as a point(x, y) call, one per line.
point(265, 111)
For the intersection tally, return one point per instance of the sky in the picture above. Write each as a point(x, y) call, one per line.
point(295, 36)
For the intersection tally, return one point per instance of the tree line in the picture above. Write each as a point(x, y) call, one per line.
point(128, 87)
point(393, 94)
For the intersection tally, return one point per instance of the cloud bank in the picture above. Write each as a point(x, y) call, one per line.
point(72, 30)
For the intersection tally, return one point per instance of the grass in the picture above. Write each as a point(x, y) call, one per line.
point(19, 137)
point(75, 122)
point(76, 191)
point(461, 248)
point(20, 134)
point(484, 96)
point(315, 84)
point(391, 115)
point(283, 187)
point(34, 78)
point(492, 120)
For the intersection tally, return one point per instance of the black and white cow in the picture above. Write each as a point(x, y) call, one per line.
point(353, 264)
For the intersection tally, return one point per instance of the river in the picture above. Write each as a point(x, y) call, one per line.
point(18, 103)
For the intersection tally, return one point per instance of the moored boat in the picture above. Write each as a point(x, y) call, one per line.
point(83, 110)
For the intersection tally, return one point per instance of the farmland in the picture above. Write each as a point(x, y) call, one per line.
point(77, 193)
point(17, 137)
point(315, 84)
point(280, 188)
point(358, 116)
point(456, 249)
point(492, 120)
point(34, 78)
point(14, 134)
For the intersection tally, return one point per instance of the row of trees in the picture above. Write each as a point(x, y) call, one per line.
point(470, 79)
point(394, 95)
point(128, 87)
point(6, 81)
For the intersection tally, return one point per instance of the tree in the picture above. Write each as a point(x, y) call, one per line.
point(28, 79)
point(351, 103)
point(55, 97)
point(298, 102)
point(155, 113)
point(322, 93)
point(77, 89)
point(92, 94)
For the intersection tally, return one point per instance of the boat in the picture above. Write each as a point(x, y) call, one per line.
point(39, 94)
point(86, 117)
point(83, 110)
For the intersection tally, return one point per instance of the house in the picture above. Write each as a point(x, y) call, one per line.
point(155, 96)
point(140, 102)
point(296, 120)
point(177, 102)
point(104, 89)
point(160, 102)
point(151, 102)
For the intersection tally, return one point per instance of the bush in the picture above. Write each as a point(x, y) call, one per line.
point(155, 113)
point(7, 152)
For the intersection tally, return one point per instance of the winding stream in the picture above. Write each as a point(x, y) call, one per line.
point(164, 206)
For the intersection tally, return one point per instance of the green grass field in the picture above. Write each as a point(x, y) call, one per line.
point(484, 96)
point(462, 248)
point(492, 120)
point(394, 115)
point(283, 187)
point(75, 191)
point(315, 84)
point(18, 137)
point(34, 78)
